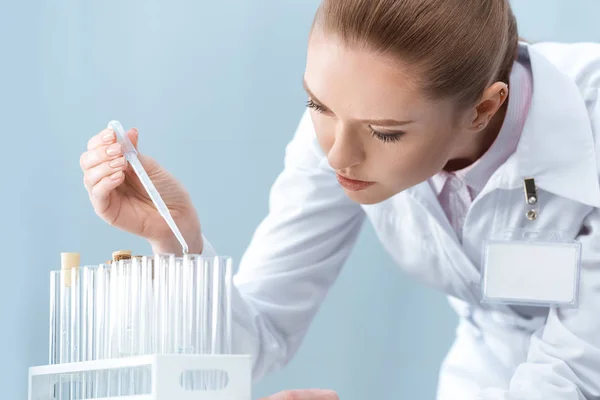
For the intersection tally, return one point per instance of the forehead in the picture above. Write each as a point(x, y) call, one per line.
point(359, 83)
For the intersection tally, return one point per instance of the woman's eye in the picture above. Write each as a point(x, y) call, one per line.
point(387, 137)
point(315, 106)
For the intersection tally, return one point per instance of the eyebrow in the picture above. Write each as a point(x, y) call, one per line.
point(376, 122)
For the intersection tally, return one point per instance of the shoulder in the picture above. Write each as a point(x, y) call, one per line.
point(579, 61)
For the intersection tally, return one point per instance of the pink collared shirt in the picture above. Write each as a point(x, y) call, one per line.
point(457, 190)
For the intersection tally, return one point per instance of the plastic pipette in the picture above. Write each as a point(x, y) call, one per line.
point(131, 156)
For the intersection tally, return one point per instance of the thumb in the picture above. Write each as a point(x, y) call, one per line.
point(133, 135)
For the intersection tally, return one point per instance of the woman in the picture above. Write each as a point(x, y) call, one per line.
point(428, 117)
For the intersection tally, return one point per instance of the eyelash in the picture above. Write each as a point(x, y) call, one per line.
point(315, 106)
point(387, 138)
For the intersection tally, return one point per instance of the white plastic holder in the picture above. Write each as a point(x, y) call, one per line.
point(166, 372)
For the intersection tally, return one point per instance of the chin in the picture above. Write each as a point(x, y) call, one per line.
point(367, 197)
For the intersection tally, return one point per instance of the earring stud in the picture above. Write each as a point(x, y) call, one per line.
point(502, 92)
point(480, 126)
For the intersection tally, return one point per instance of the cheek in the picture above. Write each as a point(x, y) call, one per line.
point(413, 159)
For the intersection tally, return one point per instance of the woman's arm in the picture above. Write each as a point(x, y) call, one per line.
point(294, 257)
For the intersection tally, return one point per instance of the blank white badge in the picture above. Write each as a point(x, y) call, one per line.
point(534, 273)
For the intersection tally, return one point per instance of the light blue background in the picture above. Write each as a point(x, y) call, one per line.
point(214, 88)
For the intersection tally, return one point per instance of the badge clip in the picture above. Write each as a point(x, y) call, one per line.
point(531, 198)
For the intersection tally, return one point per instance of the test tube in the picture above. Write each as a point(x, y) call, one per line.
point(101, 327)
point(54, 322)
point(125, 322)
point(176, 306)
point(114, 325)
point(86, 325)
point(145, 332)
point(203, 297)
point(69, 265)
point(134, 320)
point(187, 312)
point(161, 270)
point(190, 264)
point(170, 330)
point(75, 327)
point(221, 313)
point(64, 355)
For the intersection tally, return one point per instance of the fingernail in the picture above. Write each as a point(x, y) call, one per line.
point(116, 176)
point(109, 137)
point(117, 162)
point(114, 149)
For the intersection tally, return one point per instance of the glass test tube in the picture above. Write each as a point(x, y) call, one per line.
point(171, 331)
point(161, 285)
point(124, 329)
point(69, 264)
point(54, 322)
point(76, 295)
point(86, 326)
point(65, 329)
point(175, 299)
point(189, 264)
point(64, 355)
point(221, 313)
point(135, 338)
point(101, 327)
point(144, 332)
point(114, 325)
point(205, 302)
point(54, 345)
point(221, 307)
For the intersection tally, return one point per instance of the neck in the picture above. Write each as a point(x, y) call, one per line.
point(481, 144)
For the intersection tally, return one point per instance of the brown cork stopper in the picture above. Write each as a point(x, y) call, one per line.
point(121, 255)
point(68, 263)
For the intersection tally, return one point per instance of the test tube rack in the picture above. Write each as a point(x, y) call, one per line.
point(166, 373)
point(143, 328)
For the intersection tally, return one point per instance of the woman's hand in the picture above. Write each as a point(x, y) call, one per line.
point(307, 394)
point(119, 198)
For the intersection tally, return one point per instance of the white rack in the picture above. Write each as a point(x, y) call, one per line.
point(166, 373)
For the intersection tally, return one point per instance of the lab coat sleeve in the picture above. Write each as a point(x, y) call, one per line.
point(294, 256)
point(563, 361)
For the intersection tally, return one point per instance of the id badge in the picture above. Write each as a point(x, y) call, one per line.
point(531, 268)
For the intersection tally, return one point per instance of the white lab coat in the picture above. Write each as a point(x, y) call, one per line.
point(500, 352)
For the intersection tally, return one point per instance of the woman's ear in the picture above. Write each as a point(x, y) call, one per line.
point(492, 99)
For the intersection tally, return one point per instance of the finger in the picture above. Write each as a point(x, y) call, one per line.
point(99, 155)
point(307, 394)
point(105, 137)
point(92, 176)
point(133, 136)
point(100, 193)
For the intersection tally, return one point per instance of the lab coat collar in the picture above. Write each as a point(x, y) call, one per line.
point(557, 144)
point(556, 147)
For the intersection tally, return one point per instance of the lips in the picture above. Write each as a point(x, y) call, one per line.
point(353, 184)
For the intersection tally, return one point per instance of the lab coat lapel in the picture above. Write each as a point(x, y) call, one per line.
point(447, 245)
point(557, 144)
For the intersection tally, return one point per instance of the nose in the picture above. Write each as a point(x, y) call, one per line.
point(347, 150)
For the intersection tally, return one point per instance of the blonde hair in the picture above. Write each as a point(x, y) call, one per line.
point(459, 47)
